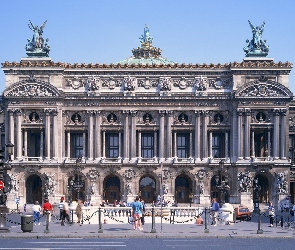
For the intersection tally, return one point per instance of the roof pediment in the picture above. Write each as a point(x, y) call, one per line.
point(31, 88)
point(263, 89)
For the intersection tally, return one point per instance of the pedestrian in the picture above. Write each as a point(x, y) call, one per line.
point(214, 209)
point(36, 209)
point(293, 209)
point(47, 209)
point(271, 213)
point(143, 212)
point(199, 220)
point(79, 212)
point(137, 213)
point(25, 208)
point(65, 213)
point(61, 207)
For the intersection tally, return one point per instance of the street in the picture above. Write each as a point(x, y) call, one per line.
point(147, 244)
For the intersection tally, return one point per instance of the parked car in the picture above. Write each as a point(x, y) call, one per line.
point(243, 213)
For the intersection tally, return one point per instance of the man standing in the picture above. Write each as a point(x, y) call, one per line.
point(214, 209)
point(137, 213)
point(47, 208)
point(271, 213)
point(65, 213)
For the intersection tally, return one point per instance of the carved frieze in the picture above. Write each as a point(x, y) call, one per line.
point(165, 84)
point(75, 83)
point(111, 83)
point(31, 88)
point(129, 83)
point(182, 83)
point(147, 83)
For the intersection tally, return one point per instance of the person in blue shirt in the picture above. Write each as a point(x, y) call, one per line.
point(137, 213)
point(271, 213)
point(214, 209)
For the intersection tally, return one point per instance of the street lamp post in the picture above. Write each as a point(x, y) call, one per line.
point(78, 164)
point(221, 182)
point(5, 185)
point(256, 189)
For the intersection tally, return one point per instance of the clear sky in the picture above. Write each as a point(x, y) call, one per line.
point(187, 31)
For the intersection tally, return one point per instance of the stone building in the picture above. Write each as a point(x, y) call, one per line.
point(147, 125)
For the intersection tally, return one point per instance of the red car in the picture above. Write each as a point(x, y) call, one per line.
point(243, 213)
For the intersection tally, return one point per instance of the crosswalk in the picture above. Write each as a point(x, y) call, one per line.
point(58, 244)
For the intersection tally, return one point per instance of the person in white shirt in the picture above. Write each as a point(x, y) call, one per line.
point(36, 209)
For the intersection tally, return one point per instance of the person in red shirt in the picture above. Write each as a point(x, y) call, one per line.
point(47, 207)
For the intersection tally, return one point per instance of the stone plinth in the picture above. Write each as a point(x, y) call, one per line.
point(247, 200)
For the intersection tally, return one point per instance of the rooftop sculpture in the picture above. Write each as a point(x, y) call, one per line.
point(37, 47)
point(256, 47)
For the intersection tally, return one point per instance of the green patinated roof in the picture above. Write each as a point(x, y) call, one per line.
point(146, 54)
point(144, 61)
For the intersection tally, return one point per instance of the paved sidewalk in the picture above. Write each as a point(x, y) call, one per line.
point(245, 229)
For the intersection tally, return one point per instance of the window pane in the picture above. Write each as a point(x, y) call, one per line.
point(147, 145)
point(112, 145)
point(182, 145)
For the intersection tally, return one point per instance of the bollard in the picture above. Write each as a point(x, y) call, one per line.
point(100, 230)
point(47, 222)
point(206, 230)
point(259, 231)
point(153, 221)
point(172, 213)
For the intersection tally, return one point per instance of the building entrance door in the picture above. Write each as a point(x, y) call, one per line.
point(33, 189)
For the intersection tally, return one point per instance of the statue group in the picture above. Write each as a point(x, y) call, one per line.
point(37, 47)
point(256, 47)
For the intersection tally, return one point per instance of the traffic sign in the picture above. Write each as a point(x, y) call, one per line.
point(1, 185)
point(17, 200)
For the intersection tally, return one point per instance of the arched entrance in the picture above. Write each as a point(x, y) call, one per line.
point(183, 189)
point(76, 186)
point(33, 189)
point(219, 188)
point(112, 186)
point(264, 193)
point(147, 189)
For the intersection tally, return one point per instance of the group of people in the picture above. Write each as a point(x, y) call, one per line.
point(63, 206)
point(65, 211)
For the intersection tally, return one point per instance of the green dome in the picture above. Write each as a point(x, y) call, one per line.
point(146, 54)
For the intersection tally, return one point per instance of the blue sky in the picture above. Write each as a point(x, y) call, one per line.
point(187, 31)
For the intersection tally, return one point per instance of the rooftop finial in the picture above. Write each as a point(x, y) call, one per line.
point(36, 47)
point(146, 38)
point(256, 47)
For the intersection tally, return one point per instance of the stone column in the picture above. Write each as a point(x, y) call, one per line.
point(126, 136)
point(90, 134)
point(253, 144)
point(210, 145)
point(197, 135)
point(25, 143)
point(226, 145)
point(41, 143)
point(133, 135)
point(11, 129)
point(161, 135)
point(169, 135)
point(139, 144)
point(247, 134)
point(190, 155)
point(103, 144)
point(19, 143)
point(155, 144)
point(175, 143)
point(206, 115)
point(283, 134)
point(47, 133)
point(240, 134)
point(97, 139)
point(276, 138)
point(84, 145)
point(68, 133)
point(55, 137)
